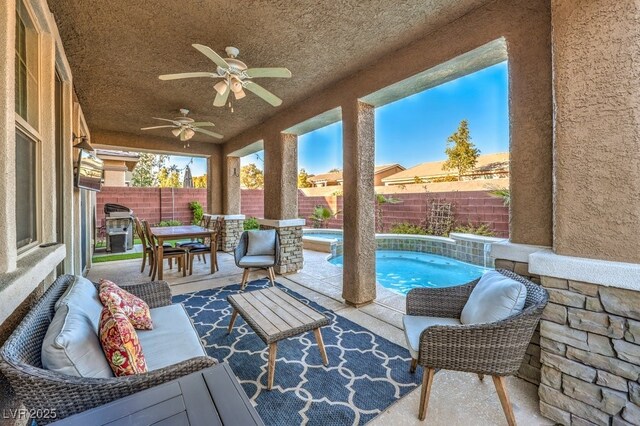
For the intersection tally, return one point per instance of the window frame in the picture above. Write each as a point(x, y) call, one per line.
point(27, 129)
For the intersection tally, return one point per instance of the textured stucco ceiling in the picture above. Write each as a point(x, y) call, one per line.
point(117, 49)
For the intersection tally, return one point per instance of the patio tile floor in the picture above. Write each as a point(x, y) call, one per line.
point(456, 398)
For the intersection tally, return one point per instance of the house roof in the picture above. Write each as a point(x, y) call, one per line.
point(486, 163)
point(337, 176)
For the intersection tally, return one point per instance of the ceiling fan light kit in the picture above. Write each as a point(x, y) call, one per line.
point(185, 127)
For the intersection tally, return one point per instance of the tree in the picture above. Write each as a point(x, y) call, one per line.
point(336, 170)
point(418, 179)
point(462, 154)
point(146, 171)
point(200, 181)
point(169, 177)
point(251, 176)
point(303, 179)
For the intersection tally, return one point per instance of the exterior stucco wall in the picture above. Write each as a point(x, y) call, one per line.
point(525, 25)
point(597, 137)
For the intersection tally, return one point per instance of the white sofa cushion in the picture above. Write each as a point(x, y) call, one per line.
point(71, 345)
point(415, 325)
point(494, 298)
point(249, 261)
point(173, 339)
point(82, 294)
point(261, 242)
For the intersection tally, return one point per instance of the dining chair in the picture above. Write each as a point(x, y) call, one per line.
point(210, 246)
point(205, 222)
point(169, 253)
point(258, 249)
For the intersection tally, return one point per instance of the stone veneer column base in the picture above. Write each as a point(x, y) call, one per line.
point(291, 252)
point(232, 228)
point(530, 368)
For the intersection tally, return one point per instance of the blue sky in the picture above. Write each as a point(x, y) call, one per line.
point(415, 129)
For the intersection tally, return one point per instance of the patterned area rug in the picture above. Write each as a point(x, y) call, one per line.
point(366, 373)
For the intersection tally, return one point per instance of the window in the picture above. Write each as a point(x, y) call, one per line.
point(26, 194)
point(27, 94)
point(27, 124)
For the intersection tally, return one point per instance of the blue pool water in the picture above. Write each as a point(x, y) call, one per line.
point(401, 271)
point(328, 235)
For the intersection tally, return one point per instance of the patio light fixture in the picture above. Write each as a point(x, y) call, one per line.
point(83, 144)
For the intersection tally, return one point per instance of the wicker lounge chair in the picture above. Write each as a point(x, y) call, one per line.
point(496, 348)
point(21, 363)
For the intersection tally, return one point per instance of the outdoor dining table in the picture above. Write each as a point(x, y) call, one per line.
point(164, 233)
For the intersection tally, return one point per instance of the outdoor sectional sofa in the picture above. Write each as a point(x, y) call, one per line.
point(65, 394)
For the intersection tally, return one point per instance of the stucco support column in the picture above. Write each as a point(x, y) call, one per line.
point(8, 254)
point(597, 129)
point(214, 180)
point(231, 193)
point(281, 198)
point(359, 277)
point(281, 176)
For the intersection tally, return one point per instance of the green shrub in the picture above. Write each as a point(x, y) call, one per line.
point(170, 223)
point(196, 209)
point(251, 223)
point(408, 228)
point(476, 229)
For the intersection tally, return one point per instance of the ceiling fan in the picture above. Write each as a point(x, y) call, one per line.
point(185, 127)
point(235, 75)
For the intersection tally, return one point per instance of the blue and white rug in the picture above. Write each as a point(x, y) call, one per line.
point(366, 373)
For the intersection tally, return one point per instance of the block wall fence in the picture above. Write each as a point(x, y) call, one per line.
point(157, 204)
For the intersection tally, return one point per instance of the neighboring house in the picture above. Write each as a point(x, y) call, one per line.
point(489, 166)
point(335, 178)
point(118, 166)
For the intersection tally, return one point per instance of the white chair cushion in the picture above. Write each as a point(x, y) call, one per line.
point(82, 294)
point(257, 261)
point(494, 298)
point(261, 242)
point(415, 325)
point(173, 339)
point(71, 345)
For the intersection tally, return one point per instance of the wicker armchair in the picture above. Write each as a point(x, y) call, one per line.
point(241, 251)
point(496, 349)
point(38, 388)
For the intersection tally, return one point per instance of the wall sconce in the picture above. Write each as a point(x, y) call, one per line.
point(234, 172)
point(83, 144)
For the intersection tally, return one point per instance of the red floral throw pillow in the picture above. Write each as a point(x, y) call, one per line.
point(120, 343)
point(133, 307)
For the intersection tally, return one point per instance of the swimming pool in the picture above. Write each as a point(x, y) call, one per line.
point(400, 271)
point(325, 235)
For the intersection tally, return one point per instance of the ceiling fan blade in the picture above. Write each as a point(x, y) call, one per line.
point(239, 94)
point(268, 72)
point(202, 124)
point(207, 132)
point(187, 75)
point(155, 127)
point(211, 54)
point(263, 93)
point(166, 119)
point(221, 99)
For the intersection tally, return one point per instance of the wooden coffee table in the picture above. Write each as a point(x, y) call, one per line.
point(274, 316)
